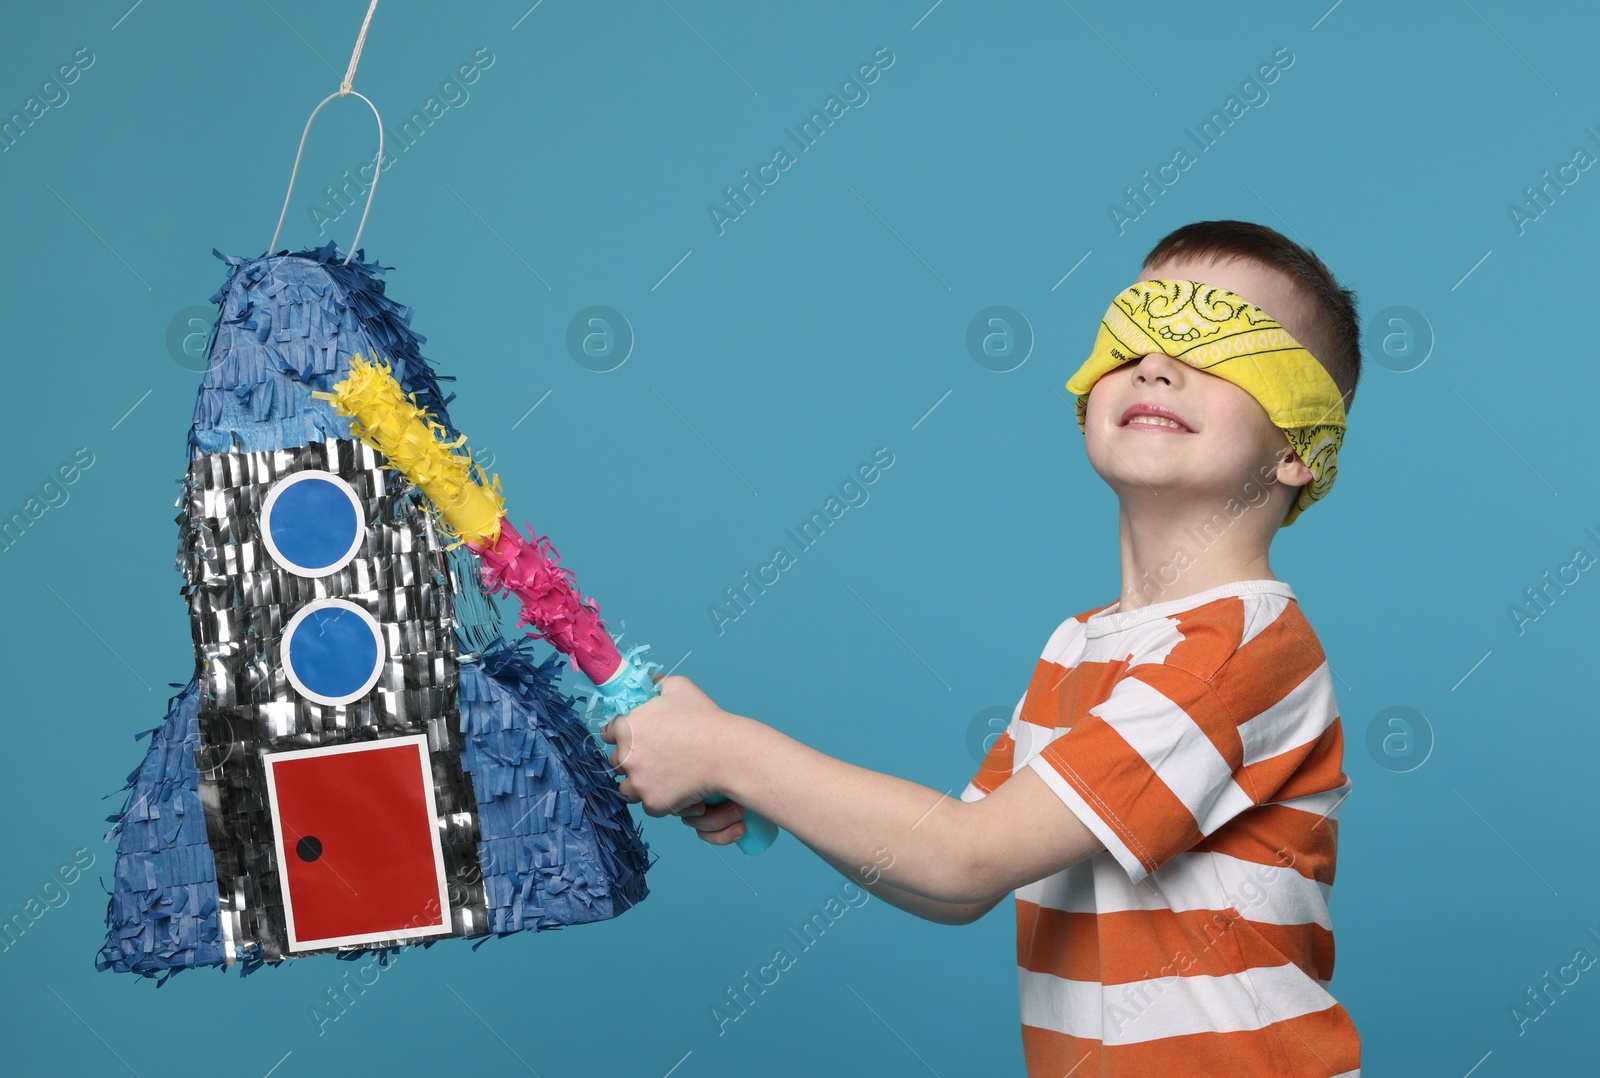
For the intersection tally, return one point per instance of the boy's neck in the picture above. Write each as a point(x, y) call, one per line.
point(1168, 555)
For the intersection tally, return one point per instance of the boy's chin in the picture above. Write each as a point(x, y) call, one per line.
point(1184, 499)
point(1131, 475)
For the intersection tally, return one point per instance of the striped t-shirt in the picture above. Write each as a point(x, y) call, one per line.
point(1198, 738)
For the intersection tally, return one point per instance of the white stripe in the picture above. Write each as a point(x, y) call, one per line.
point(1072, 890)
point(1155, 641)
point(1174, 1006)
point(1177, 750)
point(1066, 1006)
point(1149, 642)
point(1261, 609)
point(1299, 718)
point(1065, 646)
point(1268, 894)
point(1030, 742)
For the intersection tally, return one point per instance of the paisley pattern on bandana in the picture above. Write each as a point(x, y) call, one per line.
point(1222, 333)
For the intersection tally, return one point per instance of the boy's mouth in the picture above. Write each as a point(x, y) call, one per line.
point(1153, 417)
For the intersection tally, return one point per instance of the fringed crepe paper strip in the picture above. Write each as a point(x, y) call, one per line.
point(164, 902)
point(360, 761)
point(470, 507)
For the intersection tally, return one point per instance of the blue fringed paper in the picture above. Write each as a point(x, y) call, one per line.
point(558, 843)
point(162, 915)
point(288, 327)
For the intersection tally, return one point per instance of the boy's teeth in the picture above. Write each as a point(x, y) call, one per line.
point(1157, 420)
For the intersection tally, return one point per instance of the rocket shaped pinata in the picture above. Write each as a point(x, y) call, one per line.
point(360, 761)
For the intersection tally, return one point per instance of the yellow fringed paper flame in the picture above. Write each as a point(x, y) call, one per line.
point(384, 417)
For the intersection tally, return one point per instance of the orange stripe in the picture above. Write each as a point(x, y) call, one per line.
point(1211, 634)
point(1285, 837)
point(1048, 1053)
point(1308, 946)
point(1117, 783)
point(1312, 1045)
point(997, 764)
point(1304, 769)
point(1060, 695)
point(1321, 768)
point(1140, 945)
point(1041, 705)
point(1265, 670)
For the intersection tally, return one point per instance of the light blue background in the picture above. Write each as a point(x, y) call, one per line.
point(768, 364)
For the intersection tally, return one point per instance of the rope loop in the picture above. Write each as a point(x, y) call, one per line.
point(344, 90)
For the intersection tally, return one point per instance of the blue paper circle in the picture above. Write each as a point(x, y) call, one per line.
point(332, 652)
point(312, 523)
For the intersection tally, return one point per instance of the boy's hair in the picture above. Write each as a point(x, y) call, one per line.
point(1332, 333)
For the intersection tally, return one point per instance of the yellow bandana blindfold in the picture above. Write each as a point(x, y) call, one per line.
point(1222, 333)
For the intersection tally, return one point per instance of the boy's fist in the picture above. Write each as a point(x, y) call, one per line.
point(718, 824)
point(671, 749)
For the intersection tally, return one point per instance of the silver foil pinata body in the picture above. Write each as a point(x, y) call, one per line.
point(360, 762)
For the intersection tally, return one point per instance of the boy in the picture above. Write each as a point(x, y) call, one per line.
point(1164, 801)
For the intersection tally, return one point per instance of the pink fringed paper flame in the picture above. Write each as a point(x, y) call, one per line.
point(552, 608)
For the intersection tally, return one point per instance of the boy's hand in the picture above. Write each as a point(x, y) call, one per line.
point(671, 748)
point(718, 824)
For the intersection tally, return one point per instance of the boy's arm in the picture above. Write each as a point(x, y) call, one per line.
point(680, 747)
point(929, 909)
point(943, 849)
point(719, 825)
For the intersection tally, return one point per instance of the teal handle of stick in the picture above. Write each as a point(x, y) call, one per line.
point(759, 832)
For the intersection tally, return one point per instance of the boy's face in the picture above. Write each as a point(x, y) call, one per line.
point(1226, 446)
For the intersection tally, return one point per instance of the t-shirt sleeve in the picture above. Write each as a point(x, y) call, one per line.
point(1168, 757)
point(998, 762)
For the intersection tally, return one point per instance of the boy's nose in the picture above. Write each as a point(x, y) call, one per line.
point(1154, 365)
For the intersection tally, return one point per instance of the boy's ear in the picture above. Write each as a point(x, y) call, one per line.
point(1292, 471)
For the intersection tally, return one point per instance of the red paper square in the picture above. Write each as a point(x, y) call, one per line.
point(364, 815)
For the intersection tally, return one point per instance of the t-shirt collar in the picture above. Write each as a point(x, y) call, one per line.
point(1112, 619)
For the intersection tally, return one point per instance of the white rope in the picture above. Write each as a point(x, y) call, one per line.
point(377, 167)
point(355, 57)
